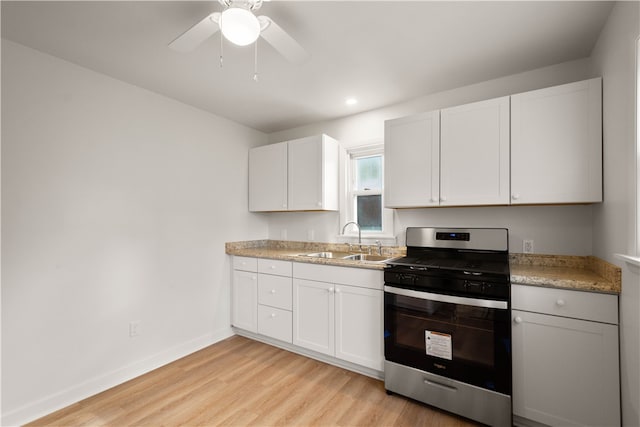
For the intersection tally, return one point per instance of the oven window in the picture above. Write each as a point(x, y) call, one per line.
point(470, 328)
point(472, 344)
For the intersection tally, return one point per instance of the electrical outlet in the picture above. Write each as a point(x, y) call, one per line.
point(134, 328)
point(527, 246)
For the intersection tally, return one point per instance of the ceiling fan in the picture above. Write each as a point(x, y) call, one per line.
point(241, 26)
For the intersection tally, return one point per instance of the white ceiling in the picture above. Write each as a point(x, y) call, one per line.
point(380, 52)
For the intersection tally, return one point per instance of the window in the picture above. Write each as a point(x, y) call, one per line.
point(365, 185)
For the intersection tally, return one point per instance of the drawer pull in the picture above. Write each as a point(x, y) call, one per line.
point(440, 385)
point(273, 315)
point(330, 290)
point(560, 302)
point(518, 319)
point(273, 291)
point(273, 267)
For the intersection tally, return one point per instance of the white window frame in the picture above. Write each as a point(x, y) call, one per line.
point(348, 214)
point(636, 244)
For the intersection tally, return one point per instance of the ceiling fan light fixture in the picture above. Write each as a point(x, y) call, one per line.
point(239, 26)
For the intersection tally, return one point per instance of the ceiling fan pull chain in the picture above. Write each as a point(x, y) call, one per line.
point(255, 63)
point(221, 43)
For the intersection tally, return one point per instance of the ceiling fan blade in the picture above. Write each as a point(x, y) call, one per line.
point(195, 35)
point(281, 41)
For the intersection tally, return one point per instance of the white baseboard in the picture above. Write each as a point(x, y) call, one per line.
point(100, 383)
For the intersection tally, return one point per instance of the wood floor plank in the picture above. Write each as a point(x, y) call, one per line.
point(241, 382)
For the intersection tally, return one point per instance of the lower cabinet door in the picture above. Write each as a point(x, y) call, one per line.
point(244, 297)
point(275, 323)
point(565, 371)
point(313, 315)
point(359, 326)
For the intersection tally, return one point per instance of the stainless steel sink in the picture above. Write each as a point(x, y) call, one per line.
point(339, 255)
point(348, 256)
point(367, 257)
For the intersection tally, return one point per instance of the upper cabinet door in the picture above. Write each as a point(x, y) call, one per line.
point(412, 161)
point(556, 146)
point(313, 173)
point(268, 178)
point(474, 154)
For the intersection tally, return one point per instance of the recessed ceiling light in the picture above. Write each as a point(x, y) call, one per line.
point(351, 101)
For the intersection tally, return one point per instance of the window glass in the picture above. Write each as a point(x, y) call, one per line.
point(369, 173)
point(369, 211)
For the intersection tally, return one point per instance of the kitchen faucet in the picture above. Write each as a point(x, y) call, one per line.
point(359, 233)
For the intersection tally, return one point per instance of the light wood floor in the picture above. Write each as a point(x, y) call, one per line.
point(243, 382)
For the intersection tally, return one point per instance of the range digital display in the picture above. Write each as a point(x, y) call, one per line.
point(453, 236)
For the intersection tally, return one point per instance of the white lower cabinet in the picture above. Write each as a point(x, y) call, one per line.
point(261, 302)
point(244, 294)
point(334, 311)
point(313, 316)
point(274, 322)
point(336, 319)
point(359, 325)
point(565, 357)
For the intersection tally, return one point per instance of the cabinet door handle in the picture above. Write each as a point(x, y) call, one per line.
point(273, 291)
point(515, 196)
point(443, 199)
point(560, 302)
point(518, 319)
point(273, 315)
point(273, 267)
point(253, 277)
point(319, 203)
point(433, 200)
point(330, 290)
point(337, 290)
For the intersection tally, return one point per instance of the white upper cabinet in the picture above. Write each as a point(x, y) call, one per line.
point(297, 175)
point(474, 154)
point(556, 144)
point(538, 147)
point(313, 173)
point(412, 161)
point(268, 178)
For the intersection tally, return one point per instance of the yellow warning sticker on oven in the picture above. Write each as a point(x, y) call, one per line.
point(438, 344)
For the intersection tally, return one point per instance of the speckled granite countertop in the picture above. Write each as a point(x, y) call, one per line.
point(582, 273)
point(294, 251)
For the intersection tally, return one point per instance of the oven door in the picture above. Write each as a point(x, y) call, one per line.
point(466, 339)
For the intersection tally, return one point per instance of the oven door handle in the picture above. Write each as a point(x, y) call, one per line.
point(476, 302)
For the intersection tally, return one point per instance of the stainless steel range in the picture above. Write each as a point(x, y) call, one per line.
point(447, 329)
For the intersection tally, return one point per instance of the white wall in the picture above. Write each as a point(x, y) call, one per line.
point(614, 57)
point(554, 229)
point(116, 204)
point(614, 221)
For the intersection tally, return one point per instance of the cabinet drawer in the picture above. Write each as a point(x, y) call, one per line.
point(561, 302)
point(274, 323)
point(274, 291)
point(272, 266)
point(245, 263)
point(362, 277)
